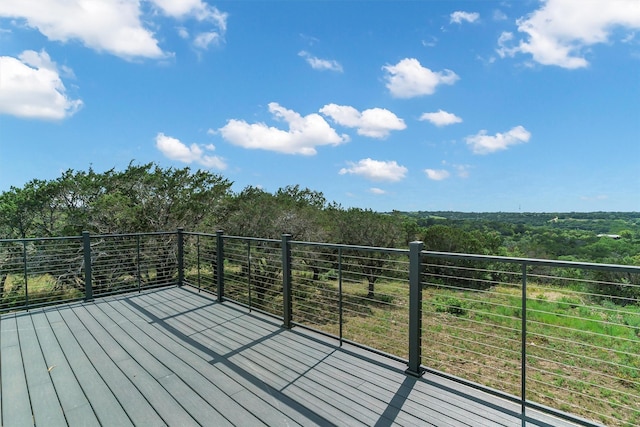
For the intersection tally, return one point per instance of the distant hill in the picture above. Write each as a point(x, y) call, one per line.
point(594, 221)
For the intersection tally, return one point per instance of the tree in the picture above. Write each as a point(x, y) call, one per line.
point(144, 198)
point(256, 213)
point(362, 227)
point(29, 211)
point(21, 216)
point(461, 273)
point(148, 198)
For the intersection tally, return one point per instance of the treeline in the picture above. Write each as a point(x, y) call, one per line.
point(605, 237)
point(149, 198)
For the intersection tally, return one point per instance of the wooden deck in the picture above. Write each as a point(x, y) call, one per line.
point(175, 357)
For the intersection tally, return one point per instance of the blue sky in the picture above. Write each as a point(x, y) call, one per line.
point(529, 106)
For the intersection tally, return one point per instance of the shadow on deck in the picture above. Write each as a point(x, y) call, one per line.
point(175, 357)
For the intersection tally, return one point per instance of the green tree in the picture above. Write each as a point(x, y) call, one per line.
point(365, 227)
point(144, 198)
point(460, 273)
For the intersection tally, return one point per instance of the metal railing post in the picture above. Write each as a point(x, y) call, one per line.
point(415, 310)
point(138, 269)
point(88, 285)
point(340, 296)
point(249, 275)
point(286, 280)
point(26, 274)
point(198, 258)
point(220, 265)
point(180, 256)
point(523, 355)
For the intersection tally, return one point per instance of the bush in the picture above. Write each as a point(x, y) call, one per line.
point(450, 305)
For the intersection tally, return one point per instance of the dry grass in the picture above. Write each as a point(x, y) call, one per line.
point(582, 357)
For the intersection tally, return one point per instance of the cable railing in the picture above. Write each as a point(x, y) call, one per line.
point(44, 271)
point(332, 283)
point(36, 272)
point(562, 337)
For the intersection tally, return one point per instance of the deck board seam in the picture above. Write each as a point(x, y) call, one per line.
point(107, 358)
point(152, 381)
point(235, 368)
point(290, 383)
point(169, 368)
point(185, 348)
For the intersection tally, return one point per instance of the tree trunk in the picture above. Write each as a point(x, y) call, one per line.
point(3, 279)
point(372, 282)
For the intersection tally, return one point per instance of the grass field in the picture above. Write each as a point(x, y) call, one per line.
point(40, 289)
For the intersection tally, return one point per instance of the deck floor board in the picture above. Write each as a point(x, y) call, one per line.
point(173, 356)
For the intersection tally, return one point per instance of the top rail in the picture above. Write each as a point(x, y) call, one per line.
point(351, 247)
point(534, 261)
point(41, 239)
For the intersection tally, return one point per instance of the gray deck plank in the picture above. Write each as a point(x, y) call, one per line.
point(182, 374)
point(160, 399)
point(384, 381)
point(106, 406)
point(76, 406)
point(376, 381)
point(132, 401)
point(153, 401)
point(340, 381)
point(262, 399)
point(45, 405)
point(255, 404)
point(205, 387)
point(173, 356)
point(16, 405)
point(198, 359)
point(269, 370)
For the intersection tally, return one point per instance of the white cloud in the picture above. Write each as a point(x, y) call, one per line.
point(499, 15)
point(437, 174)
point(31, 88)
point(174, 149)
point(201, 11)
point(376, 170)
point(598, 197)
point(374, 122)
point(377, 191)
point(430, 42)
point(458, 17)
point(111, 26)
point(183, 32)
point(303, 135)
point(198, 9)
point(462, 170)
point(560, 32)
point(321, 64)
point(408, 79)
point(481, 143)
point(118, 27)
point(441, 118)
point(204, 40)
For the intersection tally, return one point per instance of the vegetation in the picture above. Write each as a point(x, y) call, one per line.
point(148, 198)
point(584, 325)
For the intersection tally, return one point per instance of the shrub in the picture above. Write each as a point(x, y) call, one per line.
point(450, 305)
